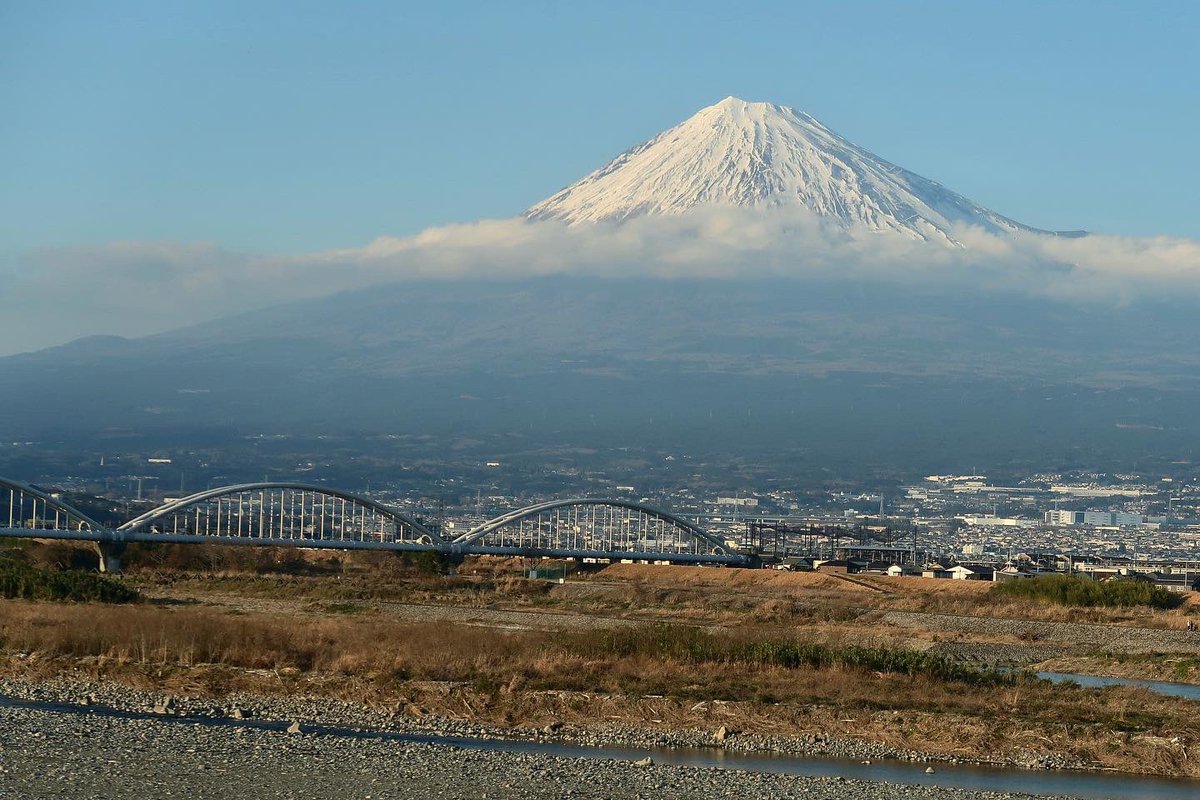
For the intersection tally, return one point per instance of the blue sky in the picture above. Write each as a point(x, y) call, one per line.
point(287, 127)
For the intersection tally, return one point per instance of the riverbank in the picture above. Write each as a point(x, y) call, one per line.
point(751, 661)
point(1162, 666)
point(410, 719)
point(771, 687)
point(81, 751)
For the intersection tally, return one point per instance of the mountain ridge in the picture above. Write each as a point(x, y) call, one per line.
point(742, 154)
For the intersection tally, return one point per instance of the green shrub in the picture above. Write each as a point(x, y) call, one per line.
point(1073, 590)
point(26, 582)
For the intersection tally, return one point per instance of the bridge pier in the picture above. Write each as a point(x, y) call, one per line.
point(110, 556)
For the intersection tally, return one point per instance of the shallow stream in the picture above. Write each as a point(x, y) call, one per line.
point(1189, 691)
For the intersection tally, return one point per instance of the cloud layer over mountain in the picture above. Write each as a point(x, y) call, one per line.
point(134, 288)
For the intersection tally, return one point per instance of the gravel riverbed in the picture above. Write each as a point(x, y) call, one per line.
point(330, 712)
point(73, 753)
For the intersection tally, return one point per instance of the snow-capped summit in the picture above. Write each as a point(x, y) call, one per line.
point(744, 154)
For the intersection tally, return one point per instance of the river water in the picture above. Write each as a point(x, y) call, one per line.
point(1092, 785)
point(1189, 691)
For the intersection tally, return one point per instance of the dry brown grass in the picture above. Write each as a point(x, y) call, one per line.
point(522, 677)
point(525, 677)
point(184, 637)
point(698, 595)
point(764, 581)
point(743, 590)
point(692, 595)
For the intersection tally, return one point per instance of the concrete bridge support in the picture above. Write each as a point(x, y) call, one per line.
point(110, 556)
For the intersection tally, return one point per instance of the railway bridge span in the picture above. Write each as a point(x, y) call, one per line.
point(288, 514)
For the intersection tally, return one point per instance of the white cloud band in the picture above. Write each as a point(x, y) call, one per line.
point(132, 288)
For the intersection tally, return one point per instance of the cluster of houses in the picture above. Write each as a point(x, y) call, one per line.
point(853, 566)
point(1019, 568)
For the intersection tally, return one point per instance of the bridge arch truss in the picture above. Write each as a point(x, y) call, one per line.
point(601, 528)
point(25, 508)
point(306, 515)
point(297, 514)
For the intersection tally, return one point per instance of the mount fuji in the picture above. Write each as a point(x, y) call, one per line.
point(815, 372)
point(744, 154)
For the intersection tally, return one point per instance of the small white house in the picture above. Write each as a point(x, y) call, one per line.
point(971, 572)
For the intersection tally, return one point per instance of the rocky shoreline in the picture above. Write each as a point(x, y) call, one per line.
point(70, 750)
point(328, 712)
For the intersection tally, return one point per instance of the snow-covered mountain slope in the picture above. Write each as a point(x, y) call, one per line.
point(744, 154)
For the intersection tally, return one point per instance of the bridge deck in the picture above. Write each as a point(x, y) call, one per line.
point(108, 535)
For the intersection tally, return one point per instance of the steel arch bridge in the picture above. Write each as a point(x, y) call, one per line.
point(281, 514)
point(26, 509)
point(596, 528)
point(311, 516)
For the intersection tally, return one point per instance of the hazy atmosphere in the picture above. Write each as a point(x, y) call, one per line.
point(607, 401)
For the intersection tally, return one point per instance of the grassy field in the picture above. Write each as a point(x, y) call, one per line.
point(758, 650)
point(747, 589)
point(766, 680)
point(697, 594)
